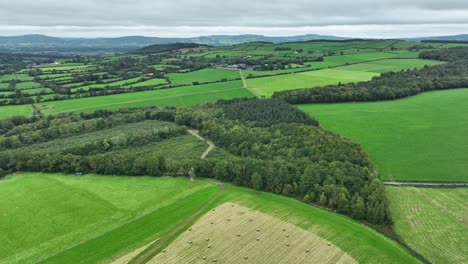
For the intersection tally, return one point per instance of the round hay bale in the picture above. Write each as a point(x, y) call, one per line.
point(307, 250)
point(287, 235)
point(190, 229)
point(276, 211)
point(245, 257)
point(215, 260)
point(190, 242)
point(164, 251)
point(287, 244)
point(229, 219)
point(258, 230)
point(329, 244)
point(258, 239)
point(211, 222)
point(238, 235)
point(284, 229)
point(204, 257)
point(209, 246)
point(207, 239)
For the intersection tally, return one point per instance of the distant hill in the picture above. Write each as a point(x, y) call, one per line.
point(462, 37)
point(156, 48)
point(46, 44)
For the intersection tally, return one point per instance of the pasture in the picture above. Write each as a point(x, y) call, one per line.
point(420, 138)
point(432, 221)
point(182, 96)
point(74, 215)
point(202, 76)
point(13, 110)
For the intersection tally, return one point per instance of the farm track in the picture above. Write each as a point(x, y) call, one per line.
point(427, 184)
point(161, 242)
point(209, 142)
point(245, 84)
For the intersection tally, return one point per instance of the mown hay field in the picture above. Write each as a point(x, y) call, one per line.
point(434, 222)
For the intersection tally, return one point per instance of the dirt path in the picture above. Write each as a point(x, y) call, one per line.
point(245, 84)
point(209, 142)
point(427, 184)
point(161, 242)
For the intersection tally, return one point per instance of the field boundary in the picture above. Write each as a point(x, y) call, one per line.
point(245, 84)
point(425, 184)
point(157, 246)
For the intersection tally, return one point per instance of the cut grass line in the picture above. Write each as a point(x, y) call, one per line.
point(156, 247)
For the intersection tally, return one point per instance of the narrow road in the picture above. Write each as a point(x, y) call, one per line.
point(149, 254)
point(427, 184)
point(245, 84)
point(209, 142)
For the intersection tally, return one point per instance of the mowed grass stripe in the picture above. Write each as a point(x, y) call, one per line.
point(419, 138)
point(432, 221)
point(146, 228)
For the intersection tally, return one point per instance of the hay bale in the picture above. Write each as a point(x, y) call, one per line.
point(287, 235)
point(204, 257)
point(258, 239)
point(209, 246)
point(238, 235)
point(190, 242)
point(258, 230)
point(190, 229)
point(307, 250)
point(287, 244)
point(229, 219)
point(215, 260)
point(245, 257)
point(276, 211)
point(329, 244)
point(163, 251)
point(211, 222)
point(207, 239)
point(284, 229)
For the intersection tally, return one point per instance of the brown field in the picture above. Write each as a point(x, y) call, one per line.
point(236, 234)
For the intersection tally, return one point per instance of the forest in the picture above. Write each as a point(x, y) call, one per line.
point(392, 85)
point(270, 146)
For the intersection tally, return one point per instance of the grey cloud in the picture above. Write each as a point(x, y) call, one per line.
point(240, 13)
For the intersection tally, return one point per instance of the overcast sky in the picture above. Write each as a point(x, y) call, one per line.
point(185, 18)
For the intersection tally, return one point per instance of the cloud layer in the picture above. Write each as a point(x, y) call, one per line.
point(388, 18)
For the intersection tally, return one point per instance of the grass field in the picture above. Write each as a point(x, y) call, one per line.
point(74, 216)
point(267, 85)
point(420, 138)
point(28, 85)
point(202, 76)
point(62, 214)
point(12, 110)
point(362, 71)
point(434, 222)
point(183, 96)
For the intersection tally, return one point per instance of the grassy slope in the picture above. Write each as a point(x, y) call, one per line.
point(87, 214)
point(419, 138)
point(202, 76)
point(432, 221)
point(183, 96)
point(83, 208)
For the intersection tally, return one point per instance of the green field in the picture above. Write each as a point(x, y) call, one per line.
point(10, 77)
point(432, 221)
point(420, 138)
point(361, 71)
point(28, 85)
point(202, 76)
point(183, 96)
point(268, 85)
point(73, 216)
point(12, 110)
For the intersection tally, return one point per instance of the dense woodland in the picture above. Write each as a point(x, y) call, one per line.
point(271, 146)
point(392, 85)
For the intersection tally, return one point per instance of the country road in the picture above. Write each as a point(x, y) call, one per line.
point(209, 142)
point(245, 84)
point(427, 184)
